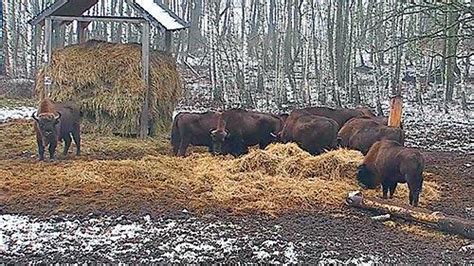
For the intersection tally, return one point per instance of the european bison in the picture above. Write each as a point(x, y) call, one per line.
point(361, 133)
point(341, 116)
point(238, 129)
point(389, 163)
point(192, 128)
point(56, 122)
point(312, 133)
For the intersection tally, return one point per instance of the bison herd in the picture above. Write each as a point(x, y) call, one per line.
point(314, 129)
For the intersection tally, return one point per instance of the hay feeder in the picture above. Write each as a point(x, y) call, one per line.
point(149, 13)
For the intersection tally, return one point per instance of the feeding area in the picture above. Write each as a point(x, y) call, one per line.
point(122, 175)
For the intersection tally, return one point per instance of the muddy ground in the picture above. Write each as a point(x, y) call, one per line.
point(347, 236)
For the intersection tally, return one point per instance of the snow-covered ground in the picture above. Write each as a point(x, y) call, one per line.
point(7, 113)
point(171, 240)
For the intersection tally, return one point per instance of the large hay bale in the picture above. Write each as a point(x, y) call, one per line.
point(105, 79)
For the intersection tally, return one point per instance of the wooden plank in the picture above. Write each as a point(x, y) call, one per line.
point(144, 119)
point(48, 54)
point(46, 12)
point(136, 20)
point(395, 116)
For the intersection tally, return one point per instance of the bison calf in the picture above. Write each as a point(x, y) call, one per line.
point(56, 122)
point(389, 163)
point(312, 133)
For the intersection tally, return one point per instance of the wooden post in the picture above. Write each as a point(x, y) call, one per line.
point(144, 119)
point(81, 31)
point(438, 220)
point(48, 33)
point(395, 116)
point(168, 38)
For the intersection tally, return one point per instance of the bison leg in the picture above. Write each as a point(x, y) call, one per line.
point(210, 149)
point(392, 189)
point(76, 134)
point(385, 187)
point(40, 149)
point(411, 198)
point(67, 144)
point(175, 150)
point(183, 146)
point(52, 150)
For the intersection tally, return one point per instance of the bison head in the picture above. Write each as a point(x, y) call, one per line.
point(219, 136)
point(47, 123)
point(365, 177)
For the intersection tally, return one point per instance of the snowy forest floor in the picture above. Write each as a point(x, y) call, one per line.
point(339, 236)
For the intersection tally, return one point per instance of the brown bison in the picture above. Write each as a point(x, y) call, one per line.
point(312, 133)
point(238, 129)
point(341, 116)
point(192, 128)
point(56, 122)
point(389, 163)
point(361, 133)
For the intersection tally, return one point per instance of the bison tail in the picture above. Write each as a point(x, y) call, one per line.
point(175, 139)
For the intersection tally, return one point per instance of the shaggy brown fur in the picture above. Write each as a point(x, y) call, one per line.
point(389, 163)
point(56, 122)
point(312, 133)
point(361, 133)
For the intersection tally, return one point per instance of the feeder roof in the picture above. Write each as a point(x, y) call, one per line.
point(153, 11)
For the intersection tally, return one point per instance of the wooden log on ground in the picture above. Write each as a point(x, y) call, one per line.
point(438, 220)
point(395, 116)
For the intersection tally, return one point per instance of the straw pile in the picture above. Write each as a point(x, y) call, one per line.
point(105, 79)
point(279, 179)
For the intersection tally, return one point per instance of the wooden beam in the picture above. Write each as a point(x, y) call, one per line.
point(81, 31)
point(136, 20)
point(168, 40)
point(48, 54)
point(144, 119)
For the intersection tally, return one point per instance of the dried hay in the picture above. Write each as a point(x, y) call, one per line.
point(279, 179)
point(105, 79)
point(18, 142)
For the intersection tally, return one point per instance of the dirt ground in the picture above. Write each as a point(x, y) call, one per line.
point(456, 177)
point(340, 236)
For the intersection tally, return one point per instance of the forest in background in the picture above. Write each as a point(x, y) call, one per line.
point(278, 54)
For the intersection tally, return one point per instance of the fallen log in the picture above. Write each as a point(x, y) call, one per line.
point(438, 220)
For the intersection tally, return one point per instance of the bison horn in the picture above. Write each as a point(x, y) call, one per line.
point(58, 116)
point(273, 135)
point(34, 116)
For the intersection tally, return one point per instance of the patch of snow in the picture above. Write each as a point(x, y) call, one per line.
point(7, 114)
point(160, 14)
point(145, 240)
